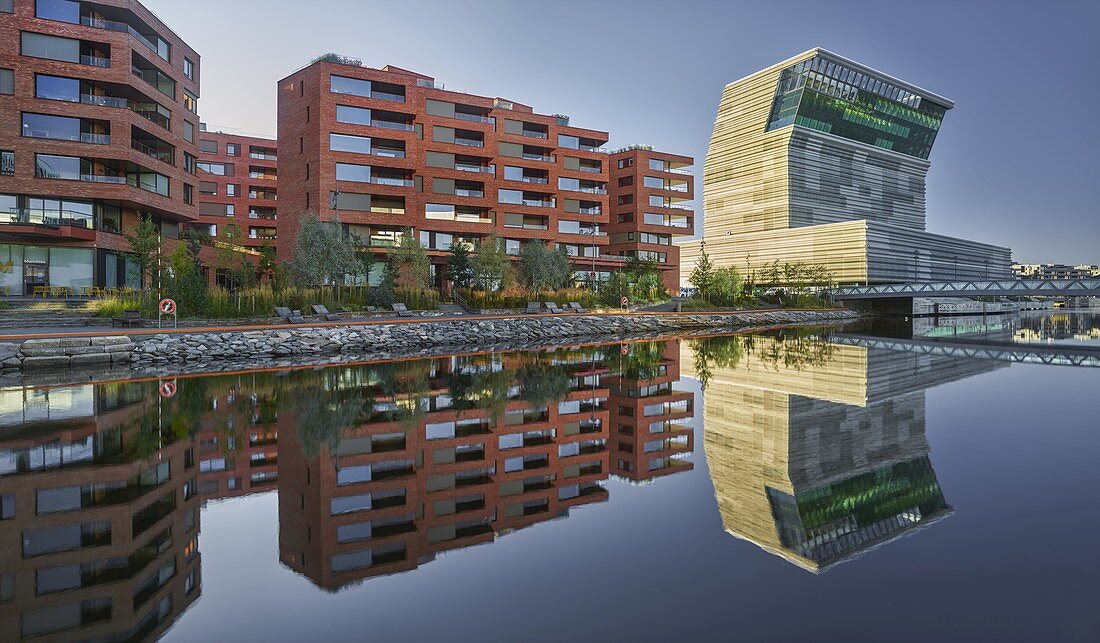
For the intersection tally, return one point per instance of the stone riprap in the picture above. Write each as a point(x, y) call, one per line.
point(379, 341)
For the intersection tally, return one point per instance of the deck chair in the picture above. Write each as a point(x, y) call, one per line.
point(321, 309)
point(533, 307)
point(575, 307)
point(402, 311)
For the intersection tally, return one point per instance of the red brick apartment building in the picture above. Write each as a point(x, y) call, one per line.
point(98, 524)
point(237, 184)
point(385, 150)
point(98, 122)
point(392, 494)
point(650, 194)
point(648, 414)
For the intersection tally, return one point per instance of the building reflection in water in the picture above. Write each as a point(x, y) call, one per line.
point(817, 451)
point(98, 537)
point(378, 468)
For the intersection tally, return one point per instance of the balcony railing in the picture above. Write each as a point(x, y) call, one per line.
point(591, 148)
point(469, 142)
point(395, 98)
point(387, 153)
point(406, 127)
point(674, 170)
point(262, 156)
point(590, 170)
point(95, 61)
point(103, 178)
point(475, 118)
point(486, 169)
point(112, 25)
point(270, 216)
point(54, 218)
point(160, 155)
point(104, 101)
point(385, 180)
point(592, 190)
point(535, 179)
point(470, 193)
point(532, 134)
point(151, 115)
point(595, 210)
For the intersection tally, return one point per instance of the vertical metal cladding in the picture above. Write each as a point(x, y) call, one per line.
point(823, 160)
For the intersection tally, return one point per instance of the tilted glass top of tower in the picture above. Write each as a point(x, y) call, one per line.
point(827, 96)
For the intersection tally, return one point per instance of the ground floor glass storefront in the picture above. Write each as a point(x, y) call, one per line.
point(25, 267)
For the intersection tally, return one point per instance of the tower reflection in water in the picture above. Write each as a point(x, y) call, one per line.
point(817, 451)
point(378, 468)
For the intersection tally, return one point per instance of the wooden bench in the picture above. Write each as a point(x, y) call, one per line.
point(402, 311)
point(129, 318)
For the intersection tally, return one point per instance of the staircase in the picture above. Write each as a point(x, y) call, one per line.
point(27, 316)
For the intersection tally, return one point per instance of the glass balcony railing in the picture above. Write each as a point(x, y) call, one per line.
point(470, 193)
point(486, 169)
point(535, 179)
point(469, 142)
point(95, 61)
point(104, 101)
point(103, 178)
point(112, 25)
point(591, 148)
point(386, 180)
point(591, 190)
point(533, 134)
point(405, 127)
point(164, 156)
point(548, 158)
point(388, 153)
point(394, 98)
point(590, 170)
point(53, 218)
point(595, 210)
point(475, 118)
point(263, 156)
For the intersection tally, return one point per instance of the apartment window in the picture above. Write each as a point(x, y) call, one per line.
point(352, 115)
point(232, 189)
point(657, 164)
point(352, 172)
point(191, 102)
point(60, 10)
point(232, 149)
point(189, 163)
point(208, 147)
point(208, 188)
point(7, 506)
point(189, 68)
point(352, 86)
point(349, 143)
point(653, 182)
point(49, 166)
point(627, 162)
point(626, 198)
point(7, 81)
point(219, 169)
point(7, 163)
point(188, 194)
point(66, 538)
point(567, 141)
point(7, 6)
point(58, 128)
point(37, 45)
point(510, 196)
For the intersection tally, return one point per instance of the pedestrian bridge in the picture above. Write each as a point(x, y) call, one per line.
point(1051, 354)
point(1002, 288)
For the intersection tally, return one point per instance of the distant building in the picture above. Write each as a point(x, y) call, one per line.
point(1055, 271)
point(822, 160)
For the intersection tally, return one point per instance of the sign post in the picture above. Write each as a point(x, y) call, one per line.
point(623, 302)
point(167, 388)
point(167, 307)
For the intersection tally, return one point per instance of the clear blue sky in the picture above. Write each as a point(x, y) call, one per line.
point(1015, 163)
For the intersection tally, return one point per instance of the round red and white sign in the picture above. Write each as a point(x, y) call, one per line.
point(167, 388)
point(167, 306)
point(623, 301)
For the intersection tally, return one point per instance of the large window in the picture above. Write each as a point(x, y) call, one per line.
point(208, 146)
point(353, 115)
point(58, 128)
point(352, 172)
point(49, 166)
point(57, 88)
point(40, 45)
point(7, 81)
point(353, 86)
point(220, 169)
point(61, 10)
point(349, 143)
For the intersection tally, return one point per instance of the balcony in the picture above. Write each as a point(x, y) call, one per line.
point(104, 101)
point(95, 61)
point(262, 213)
point(148, 72)
point(537, 156)
point(405, 127)
point(591, 169)
point(159, 47)
point(475, 118)
point(152, 146)
point(264, 156)
point(268, 194)
point(395, 181)
point(484, 169)
point(477, 194)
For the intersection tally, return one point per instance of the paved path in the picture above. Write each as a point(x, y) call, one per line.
point(93, 331)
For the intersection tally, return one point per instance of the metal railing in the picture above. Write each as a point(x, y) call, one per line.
point(486, 169)
point(95, 61)
point(262, 156)
point(406, 127)
point(469, 142)
point(103, 101)
point(53, 218)
point(112, 25)
point(393, 98)
point(470, 193)
point(160, 155)
point(383, 180)
point(475, 118)
point(103, 178)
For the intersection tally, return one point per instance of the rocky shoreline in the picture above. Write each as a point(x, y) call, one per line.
point(199, 351)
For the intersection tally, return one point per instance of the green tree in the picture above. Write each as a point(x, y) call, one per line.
point(186, 283)
point(726, 287)
point(702, 275)
point(411, 266)
point(146, 247)
point(231, 259)
point(459, 266)
point(543, 269)
point(542, 383)
point(323, 253)
point(491, 265)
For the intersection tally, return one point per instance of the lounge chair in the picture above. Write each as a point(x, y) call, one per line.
point(129, 318)
point(320, 309)
point(533, 307)
point(291, 316)
point(553, 308)
point(575, 307)
point(372, 309)
point(402, 311)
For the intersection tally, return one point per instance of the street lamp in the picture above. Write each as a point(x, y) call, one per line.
point(955, 260)
point(595, 282)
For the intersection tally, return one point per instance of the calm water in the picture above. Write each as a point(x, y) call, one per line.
point(788, 486)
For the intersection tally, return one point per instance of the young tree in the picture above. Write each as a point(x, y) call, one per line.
point(186, 283)
point(726, 287)
point(323, 254)
point(232, 260)
point(412, 268)
point(146, 246)
point(702, 275)
point(491, 265)
point(459, 267)
point(541, 268)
